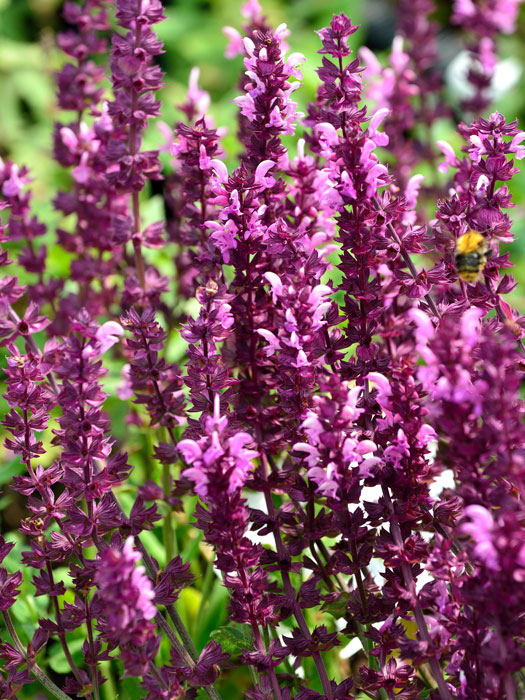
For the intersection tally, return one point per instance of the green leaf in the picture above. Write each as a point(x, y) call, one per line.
point(233, 638)
point(12, 468)
point(57, 659)
point(214, 613)
point(336, 607)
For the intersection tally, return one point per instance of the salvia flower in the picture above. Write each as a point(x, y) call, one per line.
point(124, 604)
point(332, 431)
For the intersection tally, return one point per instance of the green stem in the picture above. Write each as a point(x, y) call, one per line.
point(187, 648)
point(406, 570)
point(181, 651)
point(361, 629)
point(424, 678)
point(62, 634)
point(94, 671)
point(288, 586)
point(32, 665)
point(166, 528)
point(207, 585)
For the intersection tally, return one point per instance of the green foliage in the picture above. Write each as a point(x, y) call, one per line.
point(233, 638)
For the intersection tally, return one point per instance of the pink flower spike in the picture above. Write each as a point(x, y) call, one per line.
point(516, 147)
point(479, 526)
point(365, 447)
point(327, 132)
point(412, 190)
point(220, 169)
point(251, 10)
point(108, 335)
point(302, 360)
point(305, 447)
point(272, 340)
point(277, 285)
point(373, 66)
point(465, 8)
point(282, 31)
point(450, 156)
point(82, 172)
point(238, 441)
point(470, 326)
point(373, 178)
point(294, 60)
point(15, 184)
point(347, 186)
point(318, 294)
point(190, 450)
point(482, 183)
point(380, 138)
point(487, 55)
point(425, 329)
point(69, 138)
point(367, 157)
point(249, 46)
point(260, 173)
point(366, 466)
point(204, 159)
point(235, 45)
point(381, 382)
point(398, 58)
point(124, 389)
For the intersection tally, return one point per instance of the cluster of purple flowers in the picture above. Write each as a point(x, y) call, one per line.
point(345, 427)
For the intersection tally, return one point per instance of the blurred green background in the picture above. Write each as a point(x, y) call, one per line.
point(192, 36)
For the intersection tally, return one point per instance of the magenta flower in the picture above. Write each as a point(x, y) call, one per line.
point(215, 463)
point(124, 603)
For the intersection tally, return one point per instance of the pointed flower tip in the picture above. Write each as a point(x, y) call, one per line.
point(261, 171)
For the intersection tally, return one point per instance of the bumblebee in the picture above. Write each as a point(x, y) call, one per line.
point(472, 251)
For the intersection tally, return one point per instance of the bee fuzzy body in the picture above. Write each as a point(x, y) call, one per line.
point(472, 251)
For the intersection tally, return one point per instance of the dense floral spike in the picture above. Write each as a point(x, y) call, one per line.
point(135, 78)
point(474, 378)
point(255, 23)
point(267, 102)
point(207, 374)
point(82, 145)
point(79, 83)
point(190, 204)
point(348, 151)
point(327, 387)
point(26, 227)
point(156, 384)
point(478, 203)
point(483, 21)
point(124, 606)
point(420, 34)
point(220, 462)
point(395, 88)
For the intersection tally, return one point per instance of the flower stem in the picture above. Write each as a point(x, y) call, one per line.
point(62, 635)
point(408, 261)
point(135, 203)
point(33, 667)
point(288, 587)
point(168, 534)
point(187, 649)
point(436, 669)
point(207, 585)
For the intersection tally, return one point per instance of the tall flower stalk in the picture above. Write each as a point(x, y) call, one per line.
point(329, 421)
